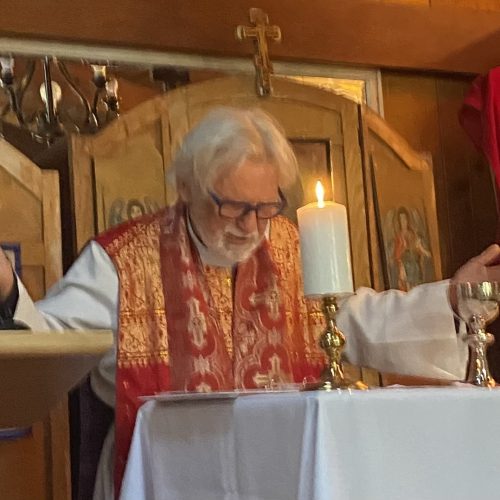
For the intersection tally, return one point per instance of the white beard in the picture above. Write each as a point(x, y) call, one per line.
point(232, 253)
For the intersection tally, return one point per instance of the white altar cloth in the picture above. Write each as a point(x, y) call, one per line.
point(387, 444)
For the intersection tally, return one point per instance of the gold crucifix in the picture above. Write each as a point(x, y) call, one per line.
point(259, 32)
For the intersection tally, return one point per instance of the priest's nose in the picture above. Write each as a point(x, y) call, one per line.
point(248, 222)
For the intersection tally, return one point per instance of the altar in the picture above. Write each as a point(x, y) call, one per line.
point(393, 443)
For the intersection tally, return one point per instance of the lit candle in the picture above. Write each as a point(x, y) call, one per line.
point(324, 247)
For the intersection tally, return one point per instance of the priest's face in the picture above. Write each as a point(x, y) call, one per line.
point(214, 215)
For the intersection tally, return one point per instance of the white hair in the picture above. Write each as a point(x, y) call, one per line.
point(225, 138)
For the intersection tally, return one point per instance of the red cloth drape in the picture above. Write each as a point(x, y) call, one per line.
point(480, 117)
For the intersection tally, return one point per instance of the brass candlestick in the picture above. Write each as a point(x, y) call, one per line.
point(332, 341)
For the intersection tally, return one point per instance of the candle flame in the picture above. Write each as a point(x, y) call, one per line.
point(320, 194)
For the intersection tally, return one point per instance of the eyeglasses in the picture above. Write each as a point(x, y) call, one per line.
point(231, 209)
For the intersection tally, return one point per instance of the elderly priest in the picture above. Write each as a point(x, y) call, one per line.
point(206, 295)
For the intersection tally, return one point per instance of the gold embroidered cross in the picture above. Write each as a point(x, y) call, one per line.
point(272, 376)
point(259, 33)
point(271, 299)
point(197, 326)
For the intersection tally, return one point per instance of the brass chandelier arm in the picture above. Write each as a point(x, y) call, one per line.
point(14, 104)
point(25, 81)
point(95, 102)
point(15, 95)
point(49, 104)
point(90, 117)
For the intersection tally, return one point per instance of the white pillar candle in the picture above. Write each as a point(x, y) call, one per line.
point(324, 247)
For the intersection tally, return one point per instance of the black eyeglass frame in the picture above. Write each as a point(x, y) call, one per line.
point(246, 208)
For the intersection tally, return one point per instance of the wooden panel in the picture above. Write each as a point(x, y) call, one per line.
point(323, 116)
point(35, 466)
point(52, 227)
point(469, 190)
point(33, 253)
point(457, 189)
point(26, 455)
point(424, 3)
point(27, 223)
point(34, 279)
point(82, 188)
point(483, 200)
point(410, 107)
point(59, 443)
point(470, 4)
point(401, 179)
point(22, 169)
point(131, 179)
point(445, 37)
point(424, 109)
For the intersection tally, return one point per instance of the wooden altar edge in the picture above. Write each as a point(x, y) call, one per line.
point(38, 369)
point(26, 343)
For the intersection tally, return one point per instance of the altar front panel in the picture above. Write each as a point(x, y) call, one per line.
point(383, 444)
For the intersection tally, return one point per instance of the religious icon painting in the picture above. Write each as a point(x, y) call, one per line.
point(129, 180)
point(121, 210)
point(406, 223)
point(407, 248)
point(13, 253)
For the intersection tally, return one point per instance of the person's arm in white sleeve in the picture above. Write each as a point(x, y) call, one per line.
point(413, 333)
point(86, 297)
point(410, 333)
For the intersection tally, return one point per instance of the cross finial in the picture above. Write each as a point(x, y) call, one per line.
point(259, 33)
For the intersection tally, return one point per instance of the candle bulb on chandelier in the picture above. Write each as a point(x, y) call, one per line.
point(56, 93)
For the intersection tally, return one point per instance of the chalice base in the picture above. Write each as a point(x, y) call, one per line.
point(478, 370)
point(331, 382)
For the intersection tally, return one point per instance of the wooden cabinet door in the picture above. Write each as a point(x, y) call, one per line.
point(323, 128)
point(399, 189)
point(129, 160)
point(35, 466)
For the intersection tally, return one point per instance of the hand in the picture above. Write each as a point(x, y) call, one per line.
point(6, 277)
point(483, 267)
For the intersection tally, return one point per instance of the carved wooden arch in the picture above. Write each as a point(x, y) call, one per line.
point(304, 111)
point(174, 112)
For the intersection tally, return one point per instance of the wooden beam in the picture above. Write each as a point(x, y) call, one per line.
point(445, 38)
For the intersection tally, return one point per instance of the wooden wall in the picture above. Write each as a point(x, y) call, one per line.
point(446, 35)
point(470, 4)
point(423, 108)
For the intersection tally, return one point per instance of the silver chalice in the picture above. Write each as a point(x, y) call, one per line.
point(477, 305)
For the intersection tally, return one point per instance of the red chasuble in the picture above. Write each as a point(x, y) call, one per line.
point(183, 326)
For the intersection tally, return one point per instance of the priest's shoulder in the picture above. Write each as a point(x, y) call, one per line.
point(132, 229)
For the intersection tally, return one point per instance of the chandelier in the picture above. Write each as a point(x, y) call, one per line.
point(48, 83)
